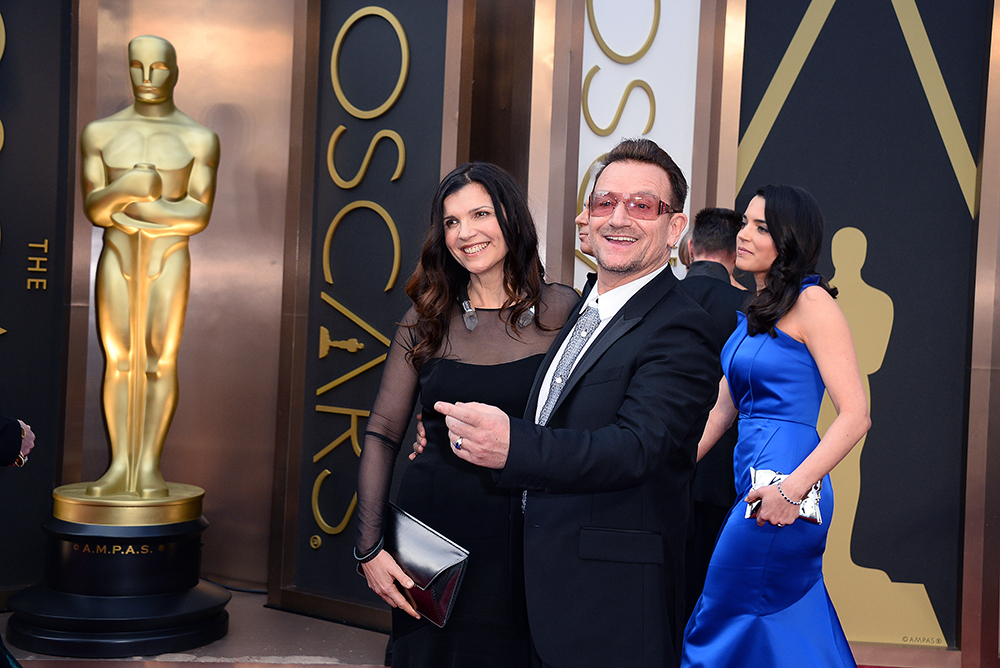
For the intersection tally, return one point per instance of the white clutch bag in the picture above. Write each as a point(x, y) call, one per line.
point(808, 509)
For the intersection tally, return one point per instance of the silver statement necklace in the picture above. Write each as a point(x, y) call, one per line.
point(472, 320)
point(469, 314)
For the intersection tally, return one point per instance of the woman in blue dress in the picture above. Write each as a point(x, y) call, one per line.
point(765, 602)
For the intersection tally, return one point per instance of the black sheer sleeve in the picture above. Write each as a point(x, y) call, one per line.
point(387, 424)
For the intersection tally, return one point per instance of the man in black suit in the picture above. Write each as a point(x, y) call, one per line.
point(602, 462)
point(712, 248)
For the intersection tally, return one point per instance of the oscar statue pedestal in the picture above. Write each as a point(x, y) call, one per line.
point(121, 579)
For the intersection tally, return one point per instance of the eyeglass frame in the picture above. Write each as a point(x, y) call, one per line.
point(627, 199)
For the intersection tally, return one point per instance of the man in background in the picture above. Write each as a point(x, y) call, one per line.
point(712, 246)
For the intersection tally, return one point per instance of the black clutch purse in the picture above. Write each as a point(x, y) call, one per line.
point(436, 564)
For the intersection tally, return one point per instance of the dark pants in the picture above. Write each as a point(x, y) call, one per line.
point(706, 522)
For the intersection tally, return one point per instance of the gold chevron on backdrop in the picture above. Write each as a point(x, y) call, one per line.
point(939, 99)
point(781, 84)
point(931, 79)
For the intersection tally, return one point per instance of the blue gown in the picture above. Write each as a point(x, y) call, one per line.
point(765, 602)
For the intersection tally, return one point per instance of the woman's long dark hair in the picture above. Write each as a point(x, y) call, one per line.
point(439, 279)
point(795, 223)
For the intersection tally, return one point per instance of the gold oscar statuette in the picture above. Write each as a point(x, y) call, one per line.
point(149, 176)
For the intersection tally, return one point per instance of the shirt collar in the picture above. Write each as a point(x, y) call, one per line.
point(614, 299)
point(709, 268)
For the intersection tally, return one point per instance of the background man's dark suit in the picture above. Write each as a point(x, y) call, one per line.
point(713, 489)
point(10, 440)
point(608, 480)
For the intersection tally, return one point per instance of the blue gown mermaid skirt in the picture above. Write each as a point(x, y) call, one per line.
point(764, 601)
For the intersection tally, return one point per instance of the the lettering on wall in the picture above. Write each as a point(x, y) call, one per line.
point(639, 78)
point(116, 549)
point(380, 110)
point(38, 255)
point(334, 521)
point(602, 90)
point(624, 60)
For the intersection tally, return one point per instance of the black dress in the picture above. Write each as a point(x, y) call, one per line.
point(491, 364)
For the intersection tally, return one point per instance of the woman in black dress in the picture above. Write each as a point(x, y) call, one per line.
point(481, 321)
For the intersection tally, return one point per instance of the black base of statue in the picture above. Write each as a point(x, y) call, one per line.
point(119, 591)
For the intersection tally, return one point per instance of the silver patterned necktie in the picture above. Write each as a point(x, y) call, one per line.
point(582, 331)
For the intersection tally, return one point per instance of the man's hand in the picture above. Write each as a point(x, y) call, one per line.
point(479, 433)
point(421, 442)
point(27, 443)
point(27, 439)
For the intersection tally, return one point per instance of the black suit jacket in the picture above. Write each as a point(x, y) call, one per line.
point(608, 484)
point(10, 440)
point(708, 284)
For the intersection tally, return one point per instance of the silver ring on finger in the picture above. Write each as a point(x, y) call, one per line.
point(457, 444)
point(780, 524)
